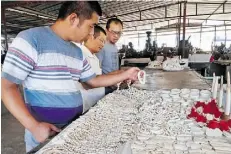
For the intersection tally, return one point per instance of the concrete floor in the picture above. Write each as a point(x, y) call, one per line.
point(12, 134)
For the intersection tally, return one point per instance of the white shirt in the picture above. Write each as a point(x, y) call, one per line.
point(90, 96)
point(92, 59)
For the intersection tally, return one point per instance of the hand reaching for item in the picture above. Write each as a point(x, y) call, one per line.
point(132, 73)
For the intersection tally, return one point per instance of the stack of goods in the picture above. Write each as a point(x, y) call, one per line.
point(172, 64)
point(152, 121)
point(155, 64)
point(101, 130)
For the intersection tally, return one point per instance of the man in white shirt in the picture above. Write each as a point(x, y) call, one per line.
point(93, 45)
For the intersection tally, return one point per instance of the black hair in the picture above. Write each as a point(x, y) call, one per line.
point(115, 20)
point(83, 9)
point(97, 30)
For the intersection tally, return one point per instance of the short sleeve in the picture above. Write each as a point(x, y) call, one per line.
point(87, 72)
point(20, 58)
point(100, 55)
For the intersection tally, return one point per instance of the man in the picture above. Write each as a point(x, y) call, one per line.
point(92, 46)
point(48, 65)
point(108, 56)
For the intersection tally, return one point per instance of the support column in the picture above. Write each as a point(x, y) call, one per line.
point(156, 35)
point(200, 35)
point(215, 36)
point(184, 24)
point(225, 35)
point(138, 39)
point(179, 27)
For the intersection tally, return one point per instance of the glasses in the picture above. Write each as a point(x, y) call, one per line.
point(115, 33)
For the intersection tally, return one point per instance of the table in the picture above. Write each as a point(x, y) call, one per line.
point(135, 61)
point(159, 79)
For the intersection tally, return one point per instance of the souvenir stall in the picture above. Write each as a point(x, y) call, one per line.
point(174, 111)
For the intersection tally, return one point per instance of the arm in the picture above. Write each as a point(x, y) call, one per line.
point(13, 101)
point(88, 86)
point(116, 72)
point(112, 79)
point(20, 60)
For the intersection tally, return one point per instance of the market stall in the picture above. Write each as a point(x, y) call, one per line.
point(153, 117)
point(221, 67)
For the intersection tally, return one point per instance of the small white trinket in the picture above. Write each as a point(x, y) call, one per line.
point(184, 138)
point(200, 110)
point(208, 151)
point(195, 146)
point(213, 132)
point(209, 116)
point(142, 77)
point(168, 146)
point(198, 133)
point(137, 146)
point(143, 137)
point(157, 132)
point(181, 147)
point(227, 134)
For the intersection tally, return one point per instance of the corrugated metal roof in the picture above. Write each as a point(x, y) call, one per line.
point(134, 14)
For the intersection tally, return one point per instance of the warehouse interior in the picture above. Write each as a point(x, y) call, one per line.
point(192, 29)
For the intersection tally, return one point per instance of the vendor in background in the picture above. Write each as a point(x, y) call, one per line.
point(108, 56)
point(49, 66)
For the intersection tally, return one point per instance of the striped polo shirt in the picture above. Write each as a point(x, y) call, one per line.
point(49, 68)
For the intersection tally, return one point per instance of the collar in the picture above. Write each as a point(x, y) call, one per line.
point(87, 52)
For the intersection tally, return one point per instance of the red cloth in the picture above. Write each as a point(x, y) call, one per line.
point(211, 59)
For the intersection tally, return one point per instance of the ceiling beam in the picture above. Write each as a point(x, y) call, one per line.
point(173, 17)
point(36, 12)
point(156, 7)
point(223, 4)
point(10, 4)
point(32, 15)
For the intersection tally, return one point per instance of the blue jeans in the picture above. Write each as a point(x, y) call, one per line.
point(30, 141)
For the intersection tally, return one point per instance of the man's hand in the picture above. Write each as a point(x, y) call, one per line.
point(112, 79)
point(132, 73)
point(43, 130)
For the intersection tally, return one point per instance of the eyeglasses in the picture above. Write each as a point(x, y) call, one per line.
point(115, 33)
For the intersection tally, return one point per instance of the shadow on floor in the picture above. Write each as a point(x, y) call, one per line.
point(12, 134)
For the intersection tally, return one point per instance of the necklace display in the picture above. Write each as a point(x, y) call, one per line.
point(154, 122)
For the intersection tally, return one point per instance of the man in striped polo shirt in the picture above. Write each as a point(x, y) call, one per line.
point(49, 66)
